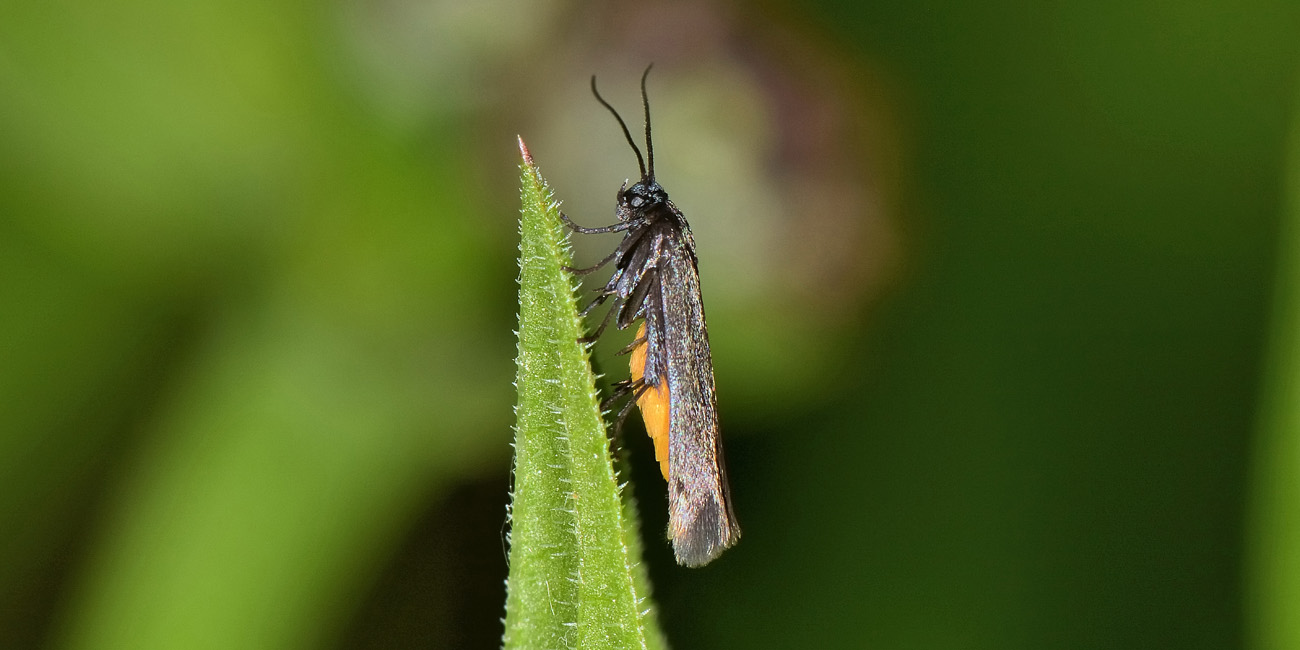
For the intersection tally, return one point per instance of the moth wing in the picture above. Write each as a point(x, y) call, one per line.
point(701, 521)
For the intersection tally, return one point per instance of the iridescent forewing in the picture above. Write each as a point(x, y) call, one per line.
point(701, 521)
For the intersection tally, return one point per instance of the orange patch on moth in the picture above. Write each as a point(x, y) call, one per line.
point(653, 404)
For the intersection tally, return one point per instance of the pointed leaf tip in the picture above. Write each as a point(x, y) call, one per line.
point(523, 151)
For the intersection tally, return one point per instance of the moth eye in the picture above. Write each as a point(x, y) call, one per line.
point(637, 201)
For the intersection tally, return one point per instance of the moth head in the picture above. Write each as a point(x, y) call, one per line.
point(639, 199)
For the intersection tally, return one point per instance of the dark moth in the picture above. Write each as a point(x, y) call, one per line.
point(656, 278)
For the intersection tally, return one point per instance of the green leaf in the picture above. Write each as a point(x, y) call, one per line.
point(575, 576)
point(1273, 565)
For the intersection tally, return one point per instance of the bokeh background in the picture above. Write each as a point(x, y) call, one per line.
point(999, 296)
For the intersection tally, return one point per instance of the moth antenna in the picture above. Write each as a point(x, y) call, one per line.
point(626, 133)
point(649, 144)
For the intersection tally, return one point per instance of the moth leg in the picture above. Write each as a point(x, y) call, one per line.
point(631, 346)
point(618, 227)
point(623, 389)
point(591, 269)
point(600, 299)
point(634, 304)
point(627, 408)
point(603, 323)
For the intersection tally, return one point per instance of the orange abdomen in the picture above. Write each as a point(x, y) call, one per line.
point(654, 405)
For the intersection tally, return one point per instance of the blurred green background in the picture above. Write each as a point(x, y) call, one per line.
point(1001, 298)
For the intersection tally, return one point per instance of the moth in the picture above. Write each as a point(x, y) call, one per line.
point(656, 279)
